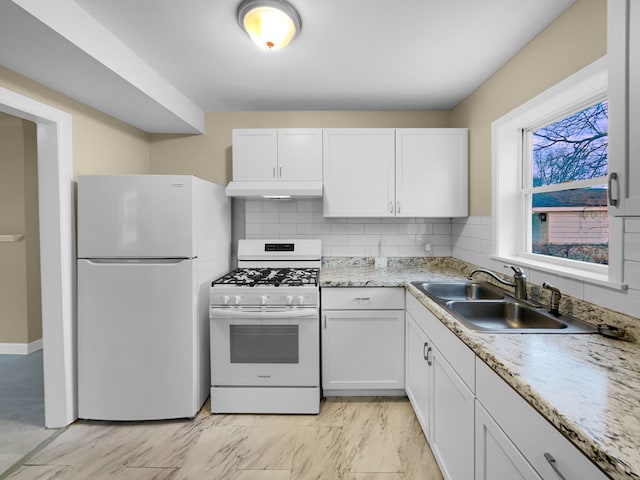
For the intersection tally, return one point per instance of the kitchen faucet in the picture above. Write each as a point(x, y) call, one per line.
point(519, 280)
point(554, 301)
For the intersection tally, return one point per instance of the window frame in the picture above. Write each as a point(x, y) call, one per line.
point(509, 208)
point(528, 190)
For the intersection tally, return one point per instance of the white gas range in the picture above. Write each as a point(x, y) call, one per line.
point(265, 330)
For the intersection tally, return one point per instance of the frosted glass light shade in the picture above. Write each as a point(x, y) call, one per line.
point(271, 24)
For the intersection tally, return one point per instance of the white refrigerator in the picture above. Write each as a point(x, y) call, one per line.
point(148, 248)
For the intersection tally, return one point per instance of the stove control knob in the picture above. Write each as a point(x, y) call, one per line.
point(226, 299)
point(237, 299)
point(289, 299)
point(301, 300)
point(264, 299)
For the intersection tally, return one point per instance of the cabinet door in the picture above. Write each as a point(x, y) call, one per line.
point(417, 372)
point(300, 154)
point(452, 420)
point(358, 172)
point(496, 456)
point(534, 436)
point(624, 106)
point(363, 349)
point(255, 155)
point(431, 172)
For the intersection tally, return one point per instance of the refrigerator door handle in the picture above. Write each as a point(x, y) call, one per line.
point(136, 261)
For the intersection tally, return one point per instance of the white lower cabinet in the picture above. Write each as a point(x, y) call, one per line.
point(550, 454)
point(441, 399)
point(496, 455)
point(417, 373)
point(478, 427)
point(452, 404)
point(362, 341)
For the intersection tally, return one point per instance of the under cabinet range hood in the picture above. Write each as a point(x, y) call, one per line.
point(275, 189)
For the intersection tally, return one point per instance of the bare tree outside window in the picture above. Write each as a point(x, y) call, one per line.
point(574, 148)
point(571, 221)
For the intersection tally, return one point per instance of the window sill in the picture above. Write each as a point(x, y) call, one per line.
point(571, 273)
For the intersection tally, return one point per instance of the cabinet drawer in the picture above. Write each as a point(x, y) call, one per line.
point(532, 434)
point(371, 298)
point(461, 357)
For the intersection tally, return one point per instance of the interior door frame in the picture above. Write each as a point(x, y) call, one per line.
point(56, 203)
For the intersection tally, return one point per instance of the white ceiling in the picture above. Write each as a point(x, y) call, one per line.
point(350, 54)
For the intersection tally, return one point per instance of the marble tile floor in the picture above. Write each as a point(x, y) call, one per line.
point(351, 439)
point(21, 407)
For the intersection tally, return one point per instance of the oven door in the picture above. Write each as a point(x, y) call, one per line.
point(271, 347)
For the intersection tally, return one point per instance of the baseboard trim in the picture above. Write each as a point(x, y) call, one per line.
point(20, 348)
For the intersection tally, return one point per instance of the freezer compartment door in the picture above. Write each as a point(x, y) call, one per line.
point(137, 340)
point(136, 216)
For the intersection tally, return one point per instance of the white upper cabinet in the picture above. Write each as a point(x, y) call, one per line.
point(255, 154)
point(395, 172)
point(358, 171)
point(261, 155)
point(624, 107)
point(431, 172)
point(300, 154)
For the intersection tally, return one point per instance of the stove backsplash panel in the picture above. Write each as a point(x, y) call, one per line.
point(348, 237)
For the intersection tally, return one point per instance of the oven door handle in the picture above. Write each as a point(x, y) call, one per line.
point(262, 314)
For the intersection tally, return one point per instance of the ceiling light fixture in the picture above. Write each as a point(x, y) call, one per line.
point(272, 24)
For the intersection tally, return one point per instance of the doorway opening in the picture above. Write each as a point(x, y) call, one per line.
point(57, 251)
point(21, 370)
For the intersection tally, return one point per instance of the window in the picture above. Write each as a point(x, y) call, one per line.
point(549, 182)
point(565, 186)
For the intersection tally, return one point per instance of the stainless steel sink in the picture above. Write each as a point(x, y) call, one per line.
point(460, 290)
point(512, 317)
point(485, 308)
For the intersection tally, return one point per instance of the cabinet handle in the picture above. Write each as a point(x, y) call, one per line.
point(552, 462)
point(274, 172)
point(281, 172)
point(424, 350)
point(397, 207)
point(362, 299)
point(324, 317)
point(390, 207)
point(427, 358)
point(613, 177)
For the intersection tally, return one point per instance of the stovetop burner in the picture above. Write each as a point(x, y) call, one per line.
point(250, 277)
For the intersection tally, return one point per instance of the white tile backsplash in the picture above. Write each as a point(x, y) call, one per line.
point(296, 217)
point(313, 228)
point(471, 241)
point(284, 229)
point(262, 217)
point(390, 237)
point(441, 251)
point(414, 228)
point(253, 206)
point(348, 228)
point(280, 206)
point(382, 228)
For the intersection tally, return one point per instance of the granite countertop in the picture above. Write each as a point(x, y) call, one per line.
point(588, 386)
